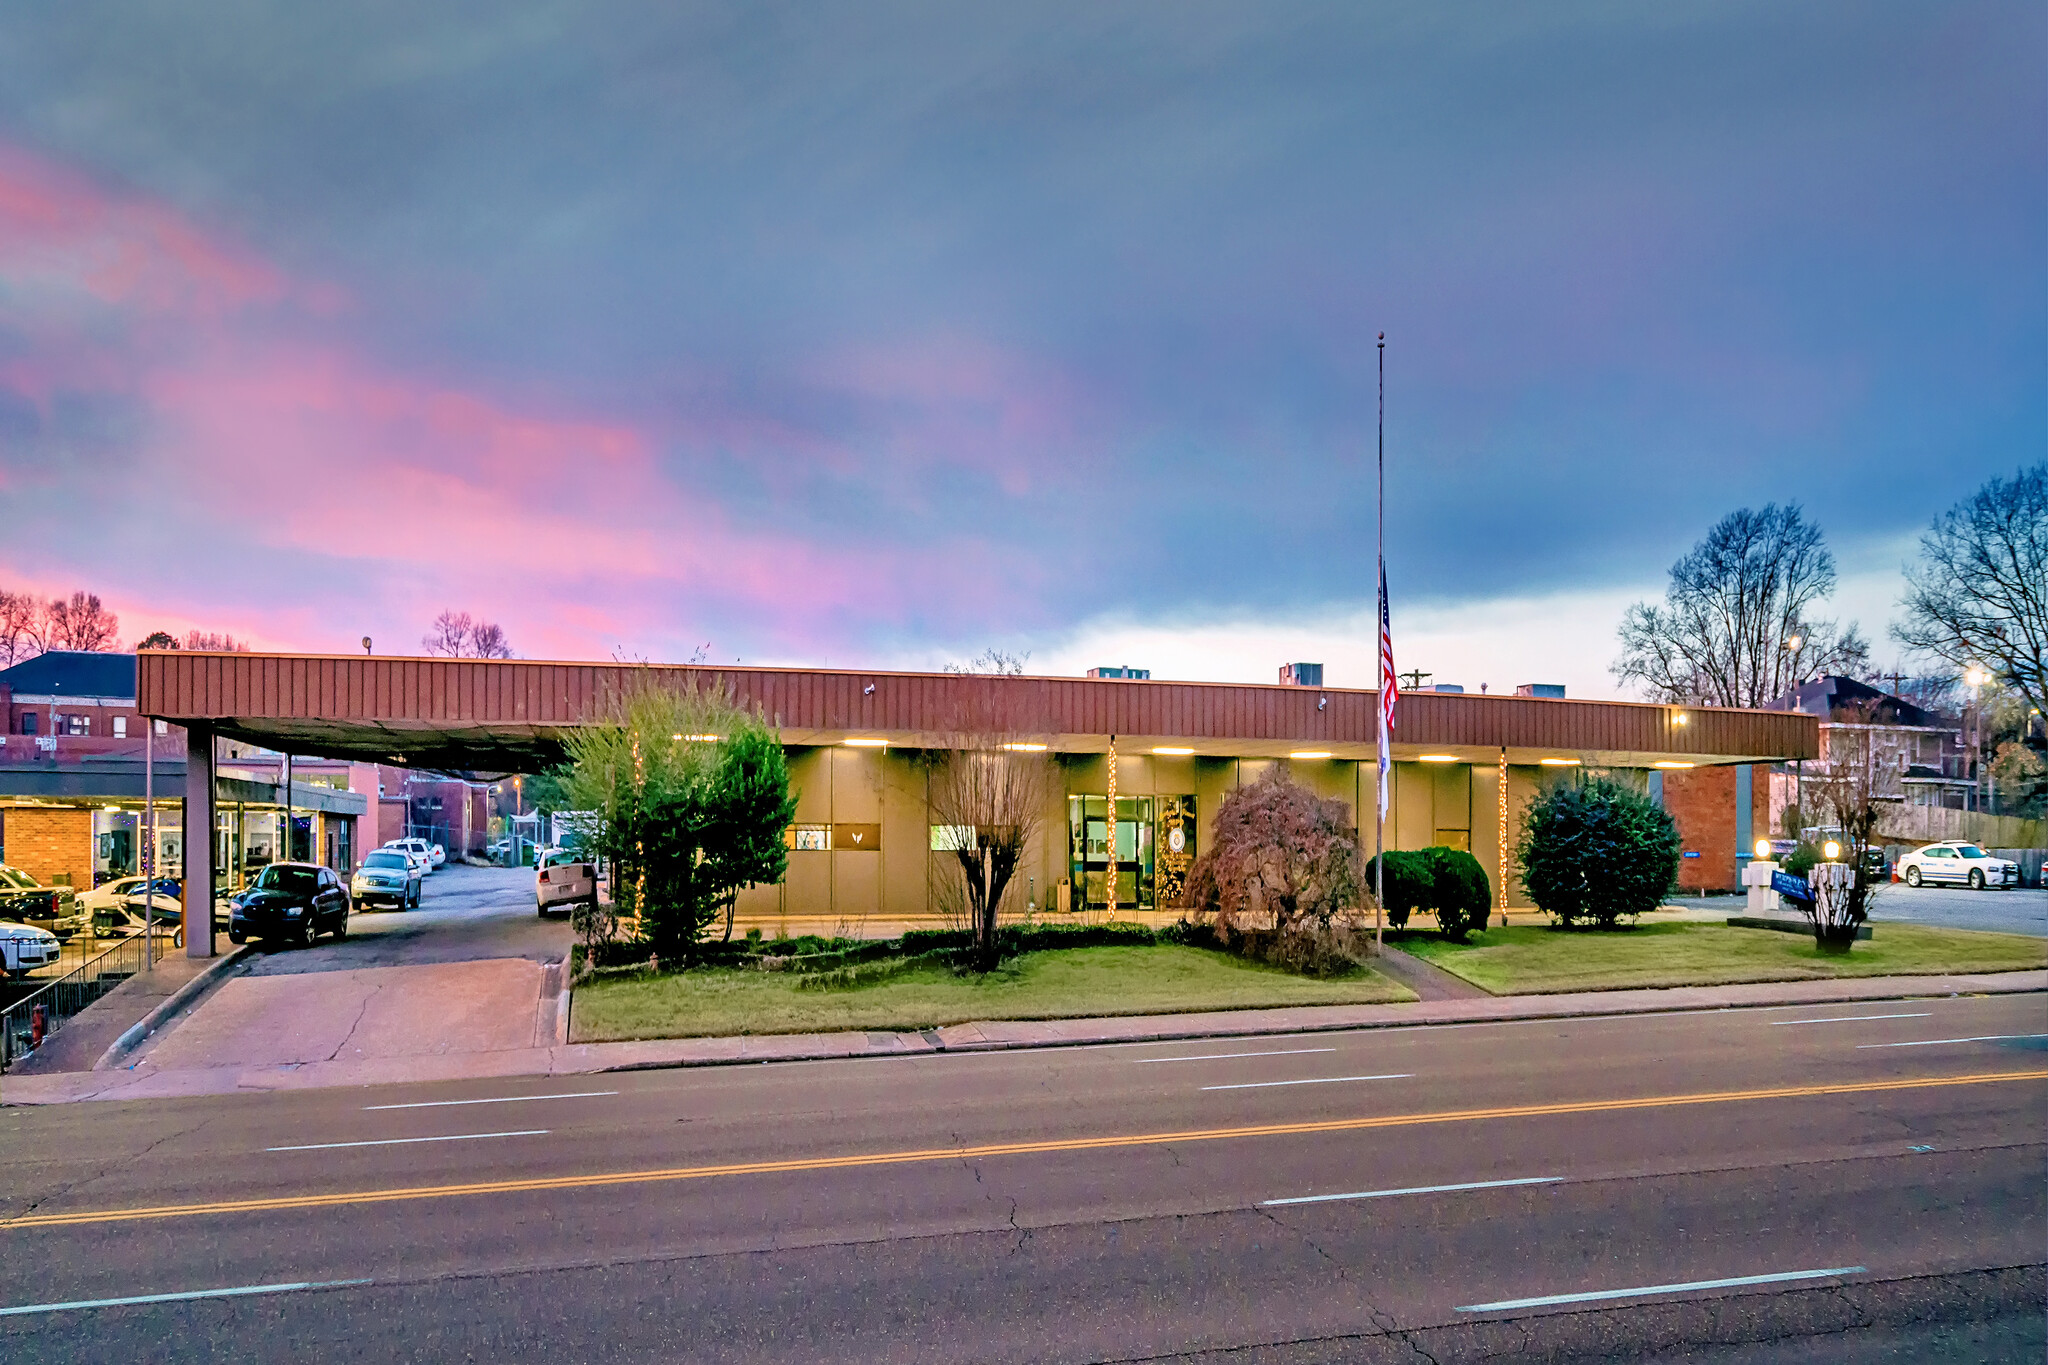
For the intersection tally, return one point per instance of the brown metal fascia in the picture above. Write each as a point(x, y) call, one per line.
point(387, 694)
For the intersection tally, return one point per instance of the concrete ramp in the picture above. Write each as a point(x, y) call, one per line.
point(367, 1014)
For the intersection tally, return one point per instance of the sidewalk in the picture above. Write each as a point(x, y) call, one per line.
point(144, 1081)
point(85, 1037)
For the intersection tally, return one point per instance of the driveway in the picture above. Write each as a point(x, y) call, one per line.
point(473, 971)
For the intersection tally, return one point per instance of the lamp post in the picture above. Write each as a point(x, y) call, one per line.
point(1974, 678)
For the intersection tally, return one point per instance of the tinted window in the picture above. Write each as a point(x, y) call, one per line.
point(392, 860)
point(1968, 851)
point(279, 878)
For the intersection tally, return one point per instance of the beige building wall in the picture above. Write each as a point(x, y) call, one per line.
point(1450, 803)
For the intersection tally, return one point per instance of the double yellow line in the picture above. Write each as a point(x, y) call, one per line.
point(1079, 1144)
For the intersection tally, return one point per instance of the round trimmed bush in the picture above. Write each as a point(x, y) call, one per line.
point(1597, 850)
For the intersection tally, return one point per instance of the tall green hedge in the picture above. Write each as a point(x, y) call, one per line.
point(1596, 850)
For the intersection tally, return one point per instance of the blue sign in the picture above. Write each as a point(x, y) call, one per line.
point(1692, 855)
point(1791, 887)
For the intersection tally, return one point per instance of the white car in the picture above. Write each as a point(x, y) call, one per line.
point(438, 854)
point(23, 948)
point(1964, 864)
point(419, 849)
point(563, 881)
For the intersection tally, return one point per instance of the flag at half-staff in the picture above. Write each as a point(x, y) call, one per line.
point(1389, 690)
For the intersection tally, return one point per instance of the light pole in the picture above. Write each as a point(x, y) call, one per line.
point(1974, 678)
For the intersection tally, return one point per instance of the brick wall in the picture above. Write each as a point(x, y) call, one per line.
point(47, 844)
point(1702, 801)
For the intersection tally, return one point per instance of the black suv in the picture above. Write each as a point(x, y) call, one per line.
point(291, 902)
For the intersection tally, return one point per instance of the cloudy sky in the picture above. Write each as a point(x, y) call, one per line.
point(880, 334)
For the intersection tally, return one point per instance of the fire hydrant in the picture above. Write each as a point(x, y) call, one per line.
point(36, 1027)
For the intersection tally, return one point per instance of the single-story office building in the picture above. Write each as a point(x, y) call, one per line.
point(864, 843)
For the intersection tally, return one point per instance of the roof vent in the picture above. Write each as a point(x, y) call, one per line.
point(1301, 675)
point(1553, 690)
point(1120, 671)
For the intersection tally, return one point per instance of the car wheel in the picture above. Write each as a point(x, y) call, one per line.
point(237, 939)
point(1976, 879)
point(1912, 876)
point(341, 927)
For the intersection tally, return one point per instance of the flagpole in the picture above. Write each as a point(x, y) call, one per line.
point(1379, 711)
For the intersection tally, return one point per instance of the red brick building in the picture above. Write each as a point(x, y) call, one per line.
point(1719, 834)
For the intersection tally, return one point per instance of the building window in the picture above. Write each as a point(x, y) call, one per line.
point(163, 727)
point(74, 725)
point(952, 838)
point(120, 727)
point(28, 722)
point(809, 838)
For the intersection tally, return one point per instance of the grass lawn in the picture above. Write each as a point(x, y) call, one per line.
point(1543, 961)
point(1067, 984)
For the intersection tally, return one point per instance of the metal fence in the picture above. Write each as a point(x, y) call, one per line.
point(29, 1021)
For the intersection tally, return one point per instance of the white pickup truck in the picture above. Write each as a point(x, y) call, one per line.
point(563, 880)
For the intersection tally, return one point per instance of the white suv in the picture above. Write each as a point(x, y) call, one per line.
point(1965, 864)
point(419, 849)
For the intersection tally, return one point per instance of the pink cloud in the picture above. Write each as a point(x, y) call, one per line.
point(263, 429)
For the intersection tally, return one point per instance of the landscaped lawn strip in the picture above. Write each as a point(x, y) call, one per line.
point(1066, 984)
point(1533, 960)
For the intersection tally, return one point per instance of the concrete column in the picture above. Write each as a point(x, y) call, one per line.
point(198, 841)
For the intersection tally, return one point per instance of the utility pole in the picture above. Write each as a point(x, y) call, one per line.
point(1414, 677)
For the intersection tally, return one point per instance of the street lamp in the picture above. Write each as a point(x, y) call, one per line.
point(1974, 677)
point(1831, 850)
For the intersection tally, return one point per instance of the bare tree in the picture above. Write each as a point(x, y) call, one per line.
point(1980, 591)
point(1856, 782)
point(458, 635)
point(987, 786)
point(215, 642)
point(20, 613)
point(79, 622)
point(1736, 626)
point(993, 661)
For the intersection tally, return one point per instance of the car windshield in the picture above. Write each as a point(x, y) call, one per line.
point(10, 877)
point(385, 860)
point(279, 878)
point(1968, 851)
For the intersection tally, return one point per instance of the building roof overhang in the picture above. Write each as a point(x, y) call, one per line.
point(514, 715)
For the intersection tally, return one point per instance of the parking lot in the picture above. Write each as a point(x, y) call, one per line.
point(2020, 910)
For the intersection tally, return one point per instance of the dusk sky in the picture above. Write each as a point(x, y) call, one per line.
point(876, 335)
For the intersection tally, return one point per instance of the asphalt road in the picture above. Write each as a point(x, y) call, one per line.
point(1106, 1203)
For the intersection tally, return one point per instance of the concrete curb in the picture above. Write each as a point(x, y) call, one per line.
point(175, 1004)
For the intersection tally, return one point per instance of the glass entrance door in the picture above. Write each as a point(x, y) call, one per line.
point(1089, 851)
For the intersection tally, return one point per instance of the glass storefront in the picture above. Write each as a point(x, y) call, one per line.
point(1154, 847)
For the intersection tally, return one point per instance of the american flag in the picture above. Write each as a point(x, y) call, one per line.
point(1389, 690)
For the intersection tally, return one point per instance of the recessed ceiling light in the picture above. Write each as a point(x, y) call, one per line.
point(868, 743)
point(1026, 748)
point(1667, 763)
point(1560, 763)
point(1171, 750)
point(1439, 758)
point(1310, 753)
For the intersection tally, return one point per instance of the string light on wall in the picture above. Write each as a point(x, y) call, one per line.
point(1109, 828)
point(1501, 881)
